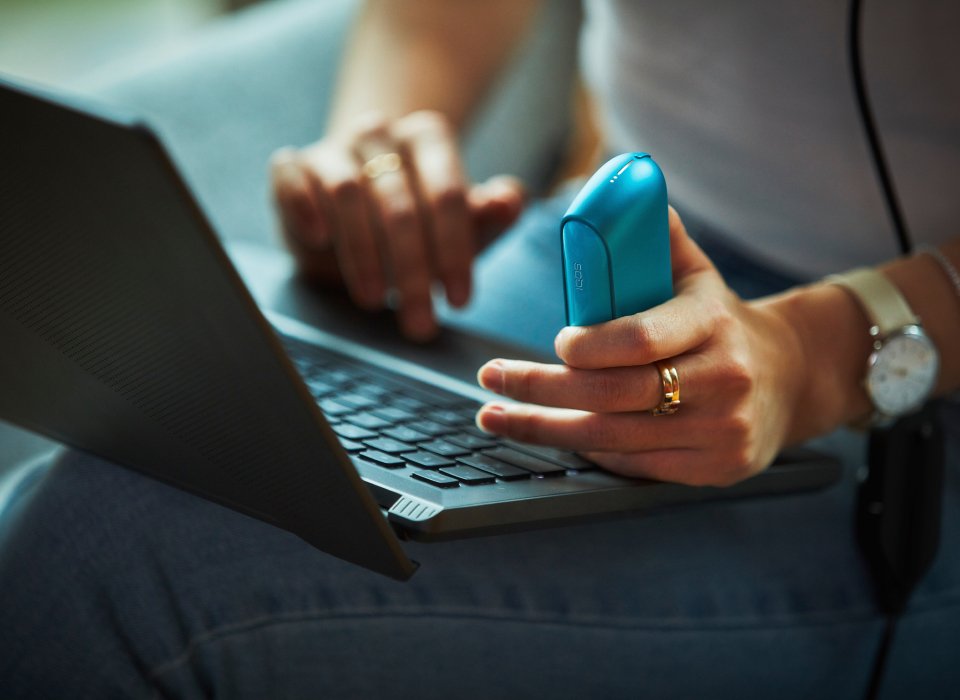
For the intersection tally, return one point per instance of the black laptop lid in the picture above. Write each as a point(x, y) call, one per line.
point(124, 331)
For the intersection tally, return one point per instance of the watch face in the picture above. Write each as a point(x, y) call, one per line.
point(903, 372)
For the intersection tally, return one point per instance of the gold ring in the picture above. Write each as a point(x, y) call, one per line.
point(381, 165)
point(671, 390)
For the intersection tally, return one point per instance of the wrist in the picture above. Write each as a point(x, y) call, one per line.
point(831, 332)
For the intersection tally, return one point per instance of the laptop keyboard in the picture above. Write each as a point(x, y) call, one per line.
point(422, 431)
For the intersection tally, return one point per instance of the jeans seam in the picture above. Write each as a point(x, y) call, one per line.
point(509, 617)
point(826, 619)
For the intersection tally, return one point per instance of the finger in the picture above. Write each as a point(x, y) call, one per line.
point(336, 177)
point(585, 431)
point(606, 390)
point(686, 257)
point(675, 327)
point(403, 236)
point(614, 390)
point(430, 147)
point(302, 216)
point(495, 205)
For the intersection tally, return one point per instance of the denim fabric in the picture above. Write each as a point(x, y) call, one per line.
point(116, 586)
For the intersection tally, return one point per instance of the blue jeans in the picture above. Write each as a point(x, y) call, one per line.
point(115, 586)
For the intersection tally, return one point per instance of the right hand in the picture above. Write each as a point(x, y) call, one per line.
point(354, 214)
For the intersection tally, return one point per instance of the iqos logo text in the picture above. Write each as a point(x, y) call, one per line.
point(578, 276)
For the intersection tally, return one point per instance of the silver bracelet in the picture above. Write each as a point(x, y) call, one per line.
point(944, 263)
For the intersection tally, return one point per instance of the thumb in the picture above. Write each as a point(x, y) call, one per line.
point(686, 257)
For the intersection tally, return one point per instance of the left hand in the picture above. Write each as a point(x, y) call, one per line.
point(741, 369)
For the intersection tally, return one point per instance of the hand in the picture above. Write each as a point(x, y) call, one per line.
point(741, 369)
point(388, 205)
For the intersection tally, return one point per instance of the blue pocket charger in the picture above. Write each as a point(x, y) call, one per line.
point(615, 240)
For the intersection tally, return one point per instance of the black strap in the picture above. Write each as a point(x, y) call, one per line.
point(898, 514)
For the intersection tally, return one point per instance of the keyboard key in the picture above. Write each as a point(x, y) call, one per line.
point(429, 427)
point(319, 388)
point(393, 414)
point(444, 448)
point(428, 460)
point(333, 408)
point(383, 459)
point(351, 446)
point(389, 445)
point(446, 417)
point(436, 478)
point(356, 400)
point(374, 391)
point(468, 414)
point(411, 404)
point(568, 460)
point(341, 376)
point(472, 442)
point(368, 420)
point(468, 475)
point(353, 432)
point(525, 461)
point(405, 433)
point(499, 469)
point(476, 432)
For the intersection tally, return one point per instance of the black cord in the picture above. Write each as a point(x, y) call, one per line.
point(892, 202)
point(880, 660)
point(854, 26)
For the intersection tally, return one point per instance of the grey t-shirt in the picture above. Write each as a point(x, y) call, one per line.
point(749, 108)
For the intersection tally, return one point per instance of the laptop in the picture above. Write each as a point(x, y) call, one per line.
point(128, 333)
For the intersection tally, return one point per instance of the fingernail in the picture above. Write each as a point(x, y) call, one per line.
point(492, 418)
point(490, 376)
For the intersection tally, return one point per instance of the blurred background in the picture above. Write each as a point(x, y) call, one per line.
point(59, 42)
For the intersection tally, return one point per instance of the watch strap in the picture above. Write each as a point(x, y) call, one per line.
point(884, 304)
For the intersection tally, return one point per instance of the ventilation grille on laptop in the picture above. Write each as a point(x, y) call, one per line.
point(123, 330)
point(412, 509)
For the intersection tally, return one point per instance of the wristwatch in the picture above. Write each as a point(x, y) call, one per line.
point(902, 368)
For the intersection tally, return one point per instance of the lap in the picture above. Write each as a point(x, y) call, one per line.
point(112, 565)
point(125, 584)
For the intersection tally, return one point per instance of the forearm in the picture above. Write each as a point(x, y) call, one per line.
point(832, 331)
point(407, 55)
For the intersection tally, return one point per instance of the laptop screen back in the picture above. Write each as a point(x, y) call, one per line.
point(127, 333)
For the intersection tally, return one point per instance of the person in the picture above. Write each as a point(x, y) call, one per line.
point(748, 111)
point(766, 374)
